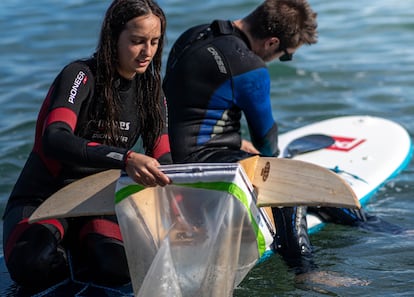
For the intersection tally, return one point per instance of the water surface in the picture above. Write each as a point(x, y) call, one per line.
point(363, 64)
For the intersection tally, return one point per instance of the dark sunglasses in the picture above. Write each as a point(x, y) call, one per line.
point(286, 56)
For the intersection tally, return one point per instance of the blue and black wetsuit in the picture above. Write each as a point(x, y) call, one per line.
point(212, 77)
point(68, 146)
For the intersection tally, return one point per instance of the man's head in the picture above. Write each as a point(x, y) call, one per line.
point(279, 27)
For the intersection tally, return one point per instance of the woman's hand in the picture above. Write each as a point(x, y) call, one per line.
point(248, 147)
point(144, 170)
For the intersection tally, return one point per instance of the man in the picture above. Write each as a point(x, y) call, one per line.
point(216, 72)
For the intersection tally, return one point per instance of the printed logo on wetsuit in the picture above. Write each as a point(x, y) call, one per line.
point(101, 136)
point(115, 156)
point(80, 78)
point(124, 125)
point(218, 59)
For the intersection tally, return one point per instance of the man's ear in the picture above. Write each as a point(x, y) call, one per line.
point(273, 43)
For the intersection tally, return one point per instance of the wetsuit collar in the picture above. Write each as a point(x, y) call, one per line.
point(123, 84)
point(239, 33)
point(220, 27)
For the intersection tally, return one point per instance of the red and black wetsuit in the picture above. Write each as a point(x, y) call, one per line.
point(68, 146)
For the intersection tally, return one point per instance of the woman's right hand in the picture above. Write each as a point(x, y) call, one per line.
point(144, 170)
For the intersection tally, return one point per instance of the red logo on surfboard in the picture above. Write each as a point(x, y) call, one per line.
point(345, 144)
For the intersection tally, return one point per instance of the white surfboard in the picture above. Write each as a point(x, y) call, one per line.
point(367, 152)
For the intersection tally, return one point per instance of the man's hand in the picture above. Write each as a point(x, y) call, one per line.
point(248, 147)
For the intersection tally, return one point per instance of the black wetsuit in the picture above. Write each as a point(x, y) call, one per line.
point(68, 146)
point(212, 77)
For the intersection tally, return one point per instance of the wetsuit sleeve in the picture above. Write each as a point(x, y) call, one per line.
point(162, 148)
point(68, 95)
point(252, 95)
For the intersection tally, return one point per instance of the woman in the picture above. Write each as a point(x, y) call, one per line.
point(94, 113)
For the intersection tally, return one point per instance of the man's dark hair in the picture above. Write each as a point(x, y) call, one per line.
point(292, 21)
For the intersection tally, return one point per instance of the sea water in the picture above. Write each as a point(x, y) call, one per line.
point(362, 64)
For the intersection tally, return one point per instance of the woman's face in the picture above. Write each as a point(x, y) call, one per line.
point(138, 44)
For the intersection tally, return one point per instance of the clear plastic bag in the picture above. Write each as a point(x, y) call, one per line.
point(199, 236)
